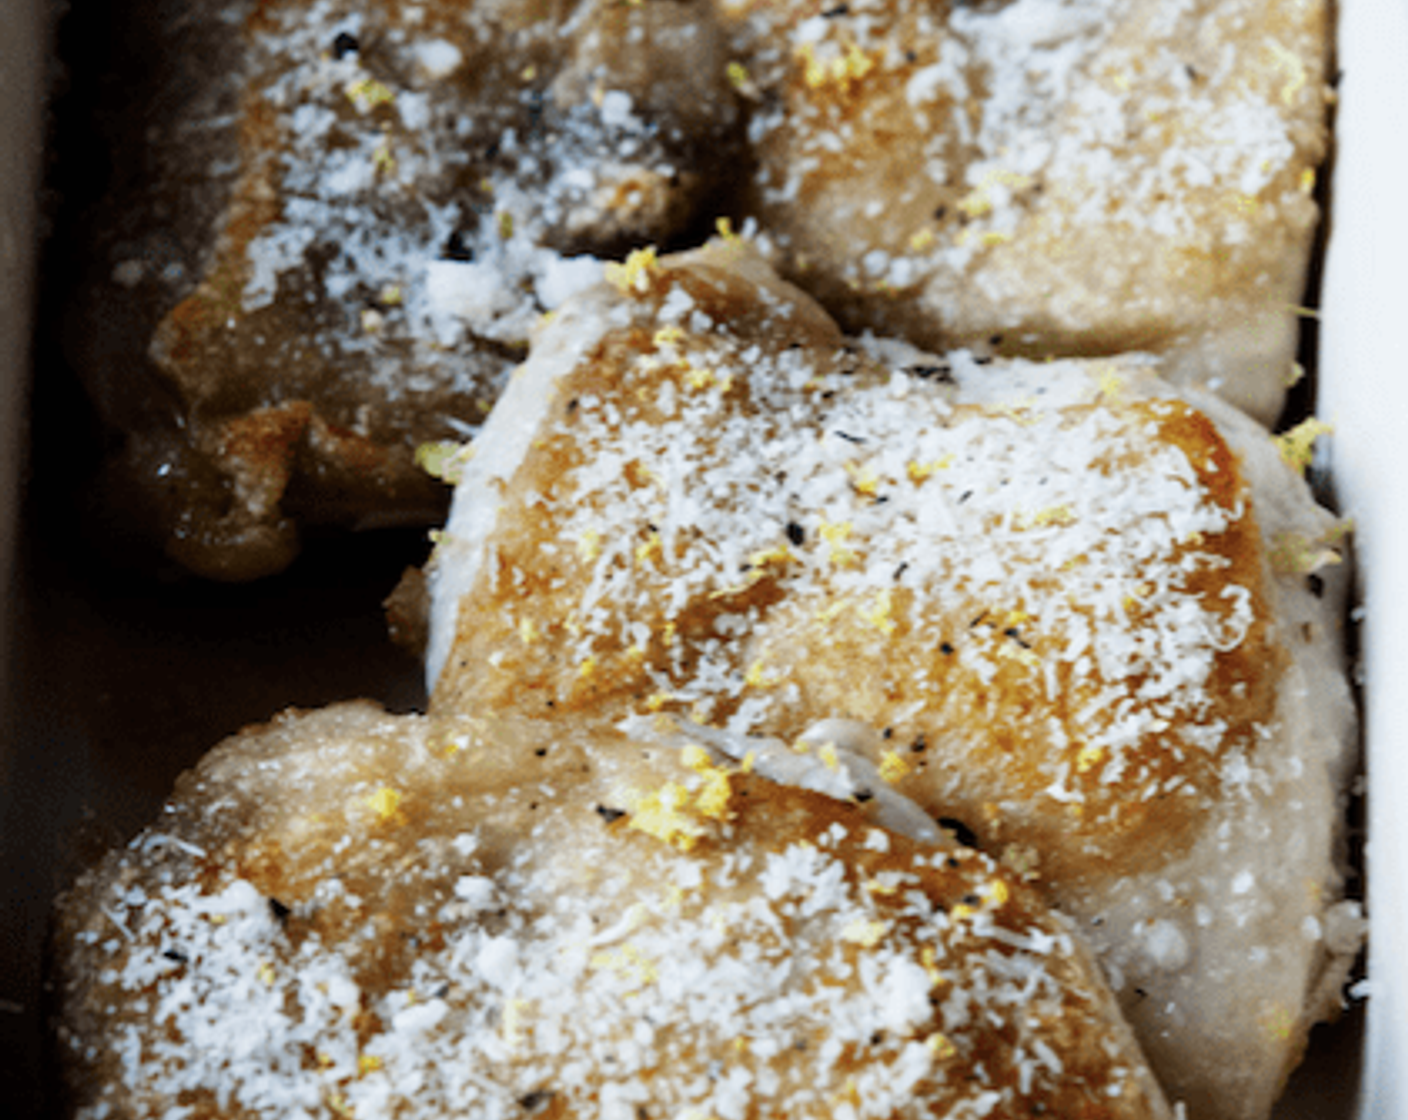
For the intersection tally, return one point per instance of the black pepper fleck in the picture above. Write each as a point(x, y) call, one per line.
point(942, 373)
point(456, 248)
point(1016, 635)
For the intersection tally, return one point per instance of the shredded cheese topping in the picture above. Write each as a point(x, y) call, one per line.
point(437, 980)
point(1079, 583)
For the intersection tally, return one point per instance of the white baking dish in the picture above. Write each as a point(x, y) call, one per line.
point(1363, 370)
point(1364, 392)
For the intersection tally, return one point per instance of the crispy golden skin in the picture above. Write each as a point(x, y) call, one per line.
point(1044, 178)
point(350, 912)
point(752, 523)
point(1060, 605)
point(333, 225)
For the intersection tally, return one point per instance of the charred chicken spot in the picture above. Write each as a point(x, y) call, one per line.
point(280, 911)
point(541, 752)
point(864, 795)
point(946, 648)
point(176, 955)
point(536, 1101)
point(344, 45)
point(920, 744)
point(608, 814)
point(796, 534)
point(959, 831)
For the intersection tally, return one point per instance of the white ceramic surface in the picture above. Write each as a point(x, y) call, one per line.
point(1364, 393)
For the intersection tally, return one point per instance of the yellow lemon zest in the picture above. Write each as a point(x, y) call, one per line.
point(632, 275)
point(1297, 445)
point(385, 802)
point(893, 767)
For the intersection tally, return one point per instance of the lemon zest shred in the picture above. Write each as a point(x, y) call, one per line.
point(668, 335)
point(865, 480)
point(632, 274)
point(755, 677)
point(385, 802)
point(918, 471)
point(941, 1046)
point(589, 545)
point(1089, 757)
point(444, 459)
point(835, 534)
point(367, 94)
point(893, 767)
point(1297, 445)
